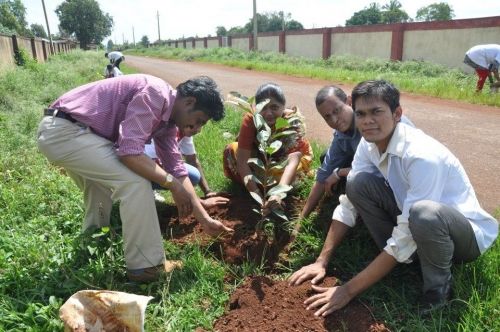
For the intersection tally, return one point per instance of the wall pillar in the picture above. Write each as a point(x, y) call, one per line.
point(205, 42)
point(33, 48)
point(282, 42)
point(397, 41)
point(15, 47)
point(250, 42)
point(327, 43)
point(44, 48)
point(229, 41)
point(193, 43)
point(220, 41)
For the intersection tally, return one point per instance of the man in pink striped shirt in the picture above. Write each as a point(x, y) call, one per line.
point(97, 133)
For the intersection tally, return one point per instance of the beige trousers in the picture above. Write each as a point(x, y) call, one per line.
point(91, 161)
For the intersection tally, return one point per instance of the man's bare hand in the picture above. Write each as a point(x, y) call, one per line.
point(213, 201)
point(182, 199)
point(315, 271)
point(215, 228)
point(328, 299)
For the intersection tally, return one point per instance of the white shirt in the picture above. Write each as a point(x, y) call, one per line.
point(115, 55)
point(186, 147)
point(485, 55)
point(419, 168)
point(115, 72)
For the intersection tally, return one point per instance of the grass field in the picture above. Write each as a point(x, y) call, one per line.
point(44, 259)
point(409, 76)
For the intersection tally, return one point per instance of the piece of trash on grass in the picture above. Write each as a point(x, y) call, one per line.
point(93, 310)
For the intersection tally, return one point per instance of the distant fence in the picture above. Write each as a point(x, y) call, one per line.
point(38, 48)
point(443, 42)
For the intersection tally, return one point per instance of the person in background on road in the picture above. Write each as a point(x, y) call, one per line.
point(194, 169)
point(334, 106)
point(112, 71)
point(296, 149)
point(97, 133)
point(413, 196)
point(485, 59)
point(115, 58)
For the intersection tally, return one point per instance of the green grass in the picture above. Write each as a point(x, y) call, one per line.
point(409, 76)
point(44, 259)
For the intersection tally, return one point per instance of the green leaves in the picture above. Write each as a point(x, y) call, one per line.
point(279, 189)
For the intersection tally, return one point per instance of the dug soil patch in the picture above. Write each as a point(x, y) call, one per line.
point(242, 245)
point(262, 304)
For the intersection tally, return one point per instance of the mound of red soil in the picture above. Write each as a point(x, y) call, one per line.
point(261, 304)
point(241, 246)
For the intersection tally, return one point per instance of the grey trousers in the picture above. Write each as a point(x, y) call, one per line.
point(91, 161)
point(442, 234)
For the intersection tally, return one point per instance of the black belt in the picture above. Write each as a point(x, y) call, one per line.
point(59, 114)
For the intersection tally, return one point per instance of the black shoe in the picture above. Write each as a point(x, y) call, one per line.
point(435, 298)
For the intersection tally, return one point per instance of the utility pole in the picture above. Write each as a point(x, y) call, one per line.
point(123, 39)
point(255, 46)
point(133, 35)
point(158, 19)
point(48, 29)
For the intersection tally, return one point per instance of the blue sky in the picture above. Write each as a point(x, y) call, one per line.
point(201, 17)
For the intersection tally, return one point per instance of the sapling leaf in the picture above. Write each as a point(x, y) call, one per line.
point(259, 121)
point(257, 198)
point(279, 213)
point(292, 120)
point(257, 211)
point(257, 162)
point(263, 136)
point(280, 188)
point(283, 133)
point(274, 147)
point(270, 181)
point(260, 106)
point(251, 177)
point(281, 123)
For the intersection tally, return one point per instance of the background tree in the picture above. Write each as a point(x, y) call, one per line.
point(38, 30)
point(13, 16)
point(221, 31)
point(145, 41)
point(110, 45)
point(392, 13)
point(270, 21)
point(369, 15)
point(85, 20)
point(439, 11)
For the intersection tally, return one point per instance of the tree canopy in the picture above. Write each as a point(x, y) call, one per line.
point(439, 11)
point(85, 20)
point(270, 21)
point(38, 30)
point(369, 15)
point(13, 17)
point(392, 13)
point(145, 41)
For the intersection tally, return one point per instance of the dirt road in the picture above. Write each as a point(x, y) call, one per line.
point(471, 132)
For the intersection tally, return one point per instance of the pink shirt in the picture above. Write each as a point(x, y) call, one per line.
point(129, 111)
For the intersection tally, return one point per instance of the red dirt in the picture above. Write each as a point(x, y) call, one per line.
point(262, 304)
point(240, 246)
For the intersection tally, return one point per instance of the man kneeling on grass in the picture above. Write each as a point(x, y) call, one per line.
point(97, 133)
point(413, 196)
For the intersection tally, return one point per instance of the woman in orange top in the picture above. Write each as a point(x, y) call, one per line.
point(295, 148)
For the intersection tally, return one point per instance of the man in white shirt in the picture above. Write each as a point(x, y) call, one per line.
point(485, 59)
point(414, 198)
point(115, 58)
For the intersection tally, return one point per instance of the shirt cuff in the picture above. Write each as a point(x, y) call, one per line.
point(401, 244)
point(345, 212)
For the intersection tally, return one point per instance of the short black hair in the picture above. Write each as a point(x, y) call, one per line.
point(105, 55)
point(380, 89)
point(328, 91)
point(207, 95)
point(270, 90)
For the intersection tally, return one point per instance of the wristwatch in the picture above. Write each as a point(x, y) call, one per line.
point(169, 179)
